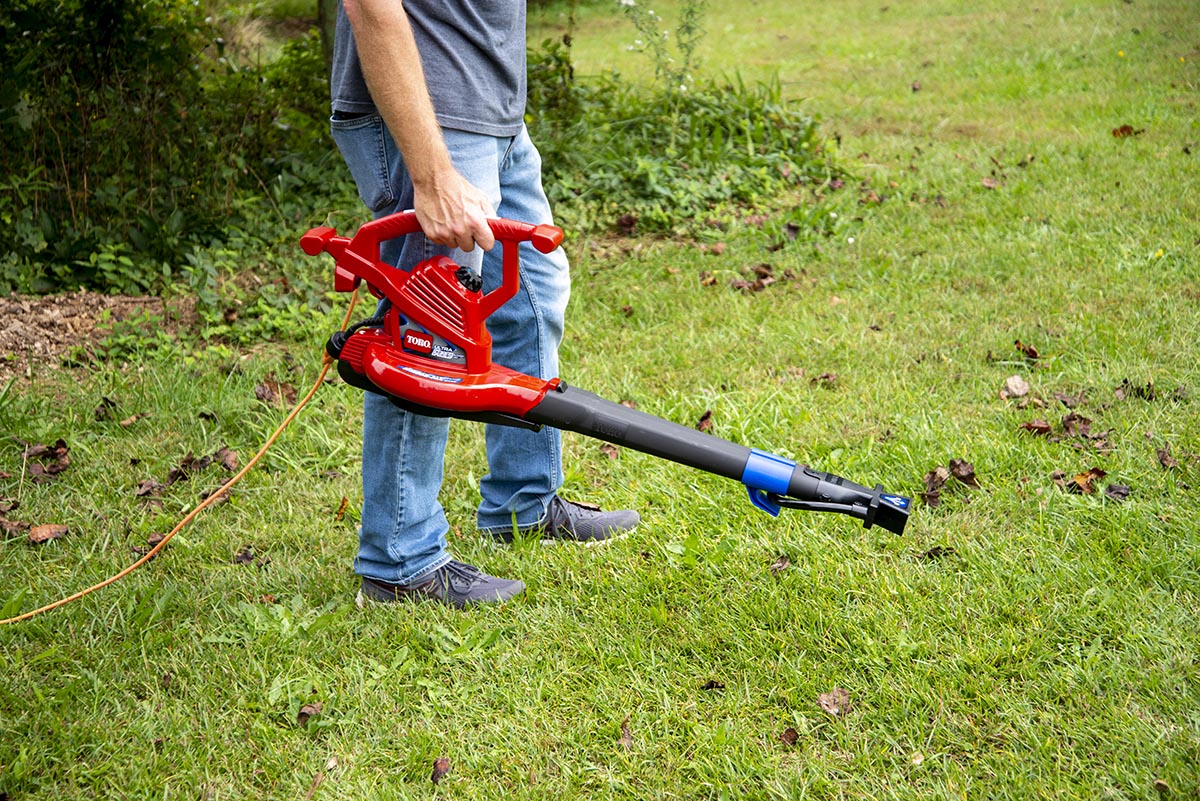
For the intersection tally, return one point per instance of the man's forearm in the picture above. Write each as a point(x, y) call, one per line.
point(391, 65)
point(451, 211)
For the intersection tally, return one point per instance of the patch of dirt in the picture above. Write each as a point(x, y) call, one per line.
point(38, 331)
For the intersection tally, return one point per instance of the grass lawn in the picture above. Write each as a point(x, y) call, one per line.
point(1020, 641)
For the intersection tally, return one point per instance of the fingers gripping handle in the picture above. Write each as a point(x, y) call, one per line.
point(543, 237)
point(363, 249)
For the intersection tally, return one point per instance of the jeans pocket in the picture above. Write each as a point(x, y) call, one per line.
point(364, 144)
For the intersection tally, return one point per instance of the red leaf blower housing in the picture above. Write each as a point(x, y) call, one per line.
point(428, 350)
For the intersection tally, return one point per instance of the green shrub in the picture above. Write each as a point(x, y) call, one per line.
point(666, 159)
point(129, 137)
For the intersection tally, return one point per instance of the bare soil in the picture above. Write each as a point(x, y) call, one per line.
point(38, 331)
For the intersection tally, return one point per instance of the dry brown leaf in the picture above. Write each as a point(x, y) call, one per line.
point(308, 712)
point(1082, 483)
point(836, 702)
point(789, 736)
point(1165, 458)
point(1039, 427)
point(626, 740)
point(1014, 387)
point(964, 471)
point(47, 532)
point(441, 766)
point(781, 564)
point(705, 422)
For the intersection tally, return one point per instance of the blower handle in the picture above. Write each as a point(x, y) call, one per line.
point(358, 257)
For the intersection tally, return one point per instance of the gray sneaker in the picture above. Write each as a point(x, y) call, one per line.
point(455, 583)
point(568, 521)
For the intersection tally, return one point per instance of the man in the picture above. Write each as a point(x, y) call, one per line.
point(428, 102)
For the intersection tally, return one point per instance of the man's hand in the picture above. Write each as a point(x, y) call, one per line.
point(453, 212)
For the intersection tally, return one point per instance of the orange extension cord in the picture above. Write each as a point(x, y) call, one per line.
point(326, 362)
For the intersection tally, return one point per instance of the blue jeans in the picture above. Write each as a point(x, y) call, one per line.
point(404, 526)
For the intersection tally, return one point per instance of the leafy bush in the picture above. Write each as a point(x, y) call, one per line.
point(664, 160)
point(129, 137)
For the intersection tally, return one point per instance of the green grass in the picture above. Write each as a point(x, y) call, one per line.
point(1051, 654)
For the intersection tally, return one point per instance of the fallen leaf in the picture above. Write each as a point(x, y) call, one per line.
point(1118, 492)
point(626, 223)
point(104, 411)
point(707, 278)
point(781, 564)
point(705, 422)
point(227, 459)
point(1029, 351)
point(1070, 401)
point(610, 450)
point(45, 533)
point(935, 553)
point(1165, 458)
point(245, 556)
point(1076, 425)
point(626, 740)
point(825, 380)
point(131, 419)
point(836, 702)
point(47, 461)
point(1014, 387)
point(789, 736)
point(341, 510)
point(990, 182)
point(713, 684)
point(917, 758)
point(934, 480)
point(1038, 427)
point(1082, 482)
point(7, 506)
point(13, 527)
point(965, 472)
point(441, 766)
point(1127, 130)
point(308, 712)
point(149, 488)
point(627, 310)
point(1128, 390)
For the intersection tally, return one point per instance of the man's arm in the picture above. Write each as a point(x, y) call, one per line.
point(451, 211)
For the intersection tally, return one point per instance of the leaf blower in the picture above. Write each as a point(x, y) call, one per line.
point(427, 349)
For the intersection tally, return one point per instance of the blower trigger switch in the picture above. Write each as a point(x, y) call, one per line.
point(470, 281)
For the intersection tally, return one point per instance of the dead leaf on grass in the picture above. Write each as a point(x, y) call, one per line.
point(1118, 492)
point(1070, 401)
point(1039, 427)
point(713, 684)
point(1014, 387)
point(1082, 483)
point(705, 422)
point(789, 736)
point(11, 528)
point(1029, 351)
point(935, 479)
point(827, 380)
point(836, 702)
point(935, 553)
point(780, 564)
point(626, 740)
point(1125, 131)
point(1076, 425)
point(307, 713)
point(610, 450)
point(964, 471)
point(1165, 458)
point(47, 532)
point(47, 461)
point(441, 766)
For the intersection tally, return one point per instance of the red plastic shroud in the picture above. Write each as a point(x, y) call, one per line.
point(433, 297)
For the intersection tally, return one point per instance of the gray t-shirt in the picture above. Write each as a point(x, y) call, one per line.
point(473, 54)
